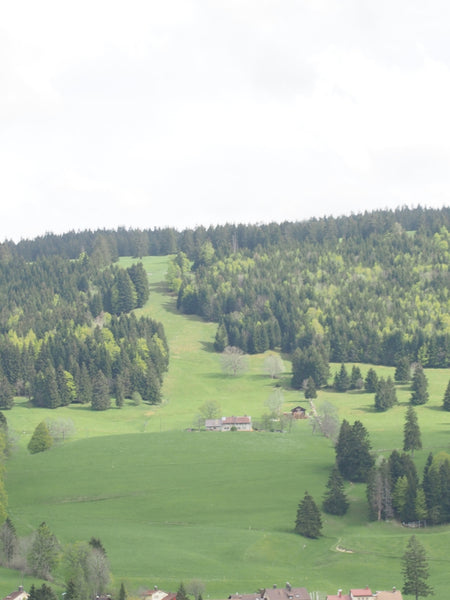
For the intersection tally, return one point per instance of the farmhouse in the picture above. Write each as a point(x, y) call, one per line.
point(299, 413)
point(20, 594)
point(228, 423)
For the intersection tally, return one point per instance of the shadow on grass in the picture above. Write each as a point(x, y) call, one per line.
point(208, 347)
point(439, 408)
point(160, 288)
point(171, 307)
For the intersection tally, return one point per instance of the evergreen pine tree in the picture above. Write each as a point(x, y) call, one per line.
point(356, 380)
point(6, 393)
point(353, 457)
point(181, 592)
point(371, 380)
point(341, 381)
point(308, 522)
point(415, 570)
point(446, 402)
point(122, 592)
point(419, 387)
point(84, 386)
point(310, 389)
point(335, 500)
point(221, 339)
point(385, 396)
point(411, 432)
point(403, 370)
point(41, 439)
point(101, 400)
point(8, 540)
point(421, 505)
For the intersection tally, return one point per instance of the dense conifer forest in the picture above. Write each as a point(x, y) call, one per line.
point(67, 333)
point(372, 287)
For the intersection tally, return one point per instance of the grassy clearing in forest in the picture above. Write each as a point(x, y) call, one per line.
point(171, 505)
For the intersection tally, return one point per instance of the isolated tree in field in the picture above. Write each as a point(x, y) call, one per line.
point(122, 592)
point(335, 501)
point(446, 402)
point(385, 396)
point(371, 380)
point(41, 439)
point(326, 420)
point(43, 553)
point(353, 456)
point(403, 370)
point(411, 432)
point(234, 361)
point(419, 387)
point(273, 365)
point(310, 389)
point(308, 522)
point(415, 570)
point(341, 382)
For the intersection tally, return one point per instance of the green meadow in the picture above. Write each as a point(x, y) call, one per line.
point(173, 505)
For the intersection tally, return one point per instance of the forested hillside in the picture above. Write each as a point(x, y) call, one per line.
point(366, 289)
point(372, 287)
point(67, 333)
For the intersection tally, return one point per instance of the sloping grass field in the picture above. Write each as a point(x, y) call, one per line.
point(173, 505)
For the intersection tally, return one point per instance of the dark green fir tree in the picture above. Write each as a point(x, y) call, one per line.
point(371, 380)
point(415, 570)
point(335, 501)
point(308, 522)
point(446, 402)
point(419, 387)
point(411, 432)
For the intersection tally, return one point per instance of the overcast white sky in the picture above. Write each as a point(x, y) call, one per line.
point(153, 113)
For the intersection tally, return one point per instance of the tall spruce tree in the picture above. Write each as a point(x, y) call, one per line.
point(411, 432)
point(446, 401)
point(335, 501)
point(371, 380)
point(310, 389)
point(419, 387)
point(341, 382)
point(415, 570)
point(308, 522)
point(353, 457)
point(41, 439)
point(101, 399)
point(403, 370)
point(356, 380)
